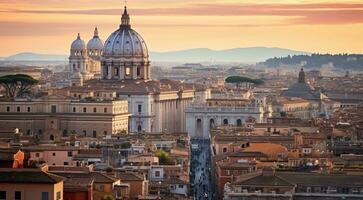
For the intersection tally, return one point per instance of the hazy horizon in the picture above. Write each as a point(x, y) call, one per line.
point(171, 25)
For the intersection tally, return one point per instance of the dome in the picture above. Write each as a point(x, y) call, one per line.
point(78, 44)
point(95, 43)
point(125, 42)
point(301, 89)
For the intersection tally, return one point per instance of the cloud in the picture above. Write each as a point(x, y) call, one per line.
point(313, 13)
point(10, 28)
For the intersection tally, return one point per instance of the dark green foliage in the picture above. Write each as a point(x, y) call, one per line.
point(107, 197)
point(109, 169)
point(125, 145)
point(164, 157)
point(242, 79)
point(343, 61)
point(17, 85)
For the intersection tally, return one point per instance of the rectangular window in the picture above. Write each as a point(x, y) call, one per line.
point(94, 110)
point(74, 109)
point(181, 186)
point(157, 173)
point(2, 195)
point(54, 108)
point(8, 109)
point(58, 195)
point(139, 108)
point(102, 188)
point(45, 196)
point(18, 109)
point(70, 153)
point(105, 110)
point(17, 195)
point(127, 71)
point(84, 109)
point(65, 163)
point(28, 109)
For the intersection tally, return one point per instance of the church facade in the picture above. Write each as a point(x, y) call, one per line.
point(120, 69)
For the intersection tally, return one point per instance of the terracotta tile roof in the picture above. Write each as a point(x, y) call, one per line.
point(266, 148)
point(28, 176)
point(247, 154)
point(98, 177)
point(136, 86)
point(77, 184)
point(322, 179)
point(129, 176)
point(265, 180)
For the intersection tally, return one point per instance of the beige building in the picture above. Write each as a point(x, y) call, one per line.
point(49, 115)
point(125, 73)
point(29, 184)
point(295, 106)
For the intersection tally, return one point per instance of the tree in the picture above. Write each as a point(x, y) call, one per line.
point(164, 157)
point(241, 79)
point(107, 197)
point(17, 85)
point(109, 169)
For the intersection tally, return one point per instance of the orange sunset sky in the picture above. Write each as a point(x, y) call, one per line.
point(49, 26)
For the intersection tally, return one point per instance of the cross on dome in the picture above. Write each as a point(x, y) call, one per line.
point(95, 34)
point(125, 19)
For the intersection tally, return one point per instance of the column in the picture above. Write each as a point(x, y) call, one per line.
point(167, 104)
point(145, 69)
point(159, 116)
point(163, 114)
point(134, 72)
point(172, 113)
point(109, 74)
point(123, 71)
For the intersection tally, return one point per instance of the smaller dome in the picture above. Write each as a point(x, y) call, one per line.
point(78, 44)
point(95, 43)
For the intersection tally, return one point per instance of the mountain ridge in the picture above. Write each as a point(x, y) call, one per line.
point(245, 54)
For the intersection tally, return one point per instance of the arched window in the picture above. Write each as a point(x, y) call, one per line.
point(138, 71)
point(51, 137)
point(239, 122)
point(199, 127)
point(225, 122)
point(65, 133)
point(127, 71)
point(211, 124)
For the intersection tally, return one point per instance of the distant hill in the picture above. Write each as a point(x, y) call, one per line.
point(250, 54)
point(342, 61)
point(28, 56)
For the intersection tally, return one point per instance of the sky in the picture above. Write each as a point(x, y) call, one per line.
point(50, 26)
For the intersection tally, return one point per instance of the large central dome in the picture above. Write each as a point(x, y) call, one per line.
point(125, 55)
point(125, 42)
